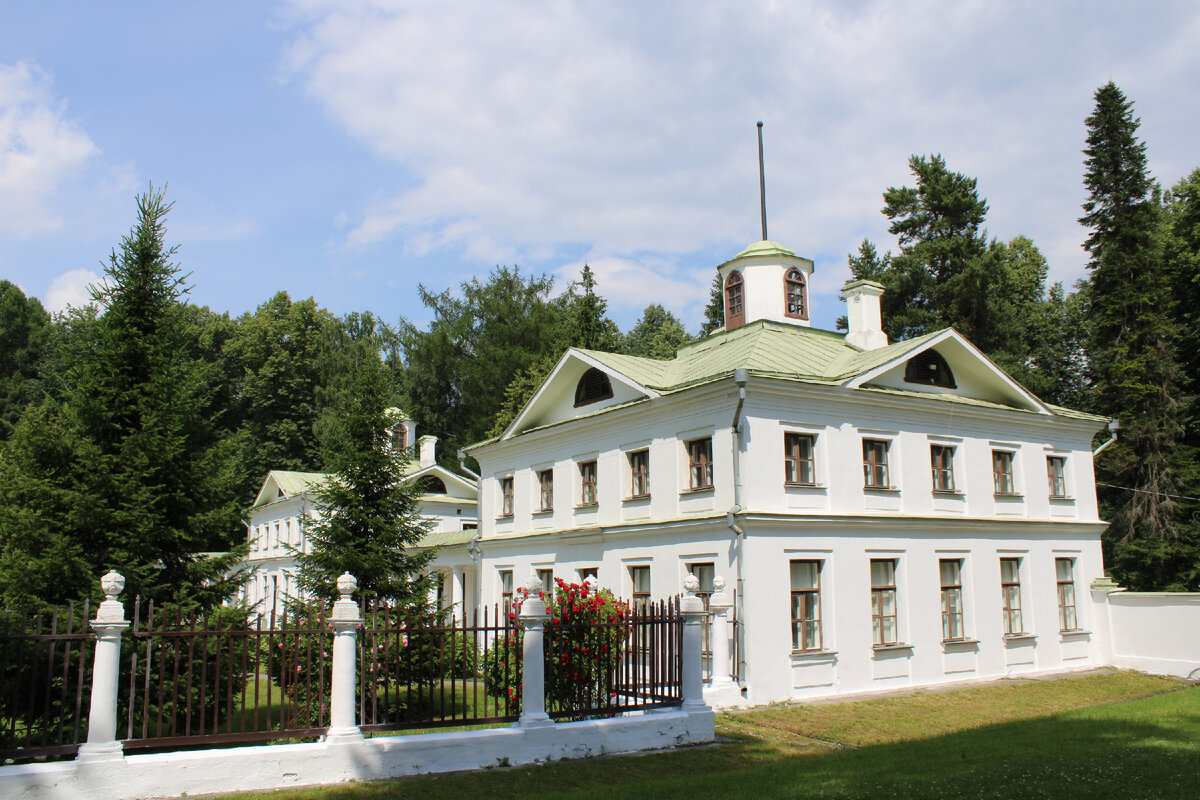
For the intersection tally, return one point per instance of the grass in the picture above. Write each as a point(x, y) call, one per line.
point(1112, 735)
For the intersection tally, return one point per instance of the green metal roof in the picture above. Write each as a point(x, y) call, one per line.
point(294, 483)
point(446, 538)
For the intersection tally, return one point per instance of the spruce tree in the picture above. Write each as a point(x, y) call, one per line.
point(24, 330)
point(368, 521)
point(714, 312)
point(591, 327)
point(1132, 337)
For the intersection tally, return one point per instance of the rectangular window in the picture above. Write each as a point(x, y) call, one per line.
point(506, 497)
point(1010, 590)
point(883, 601)
point(1056, 471)
point(588, 572)
point(798, 459)
point(942, 460)
point(875, 464)
point(546, 490)
point(700, 471)
point(1065, 572)
point(705, 573)
point(952, 600)
point(806, 605)
point(506, 591)
point(546, 576)
point(1002, 471)
point(640, 580)
point(639, 472)
point(587, 483)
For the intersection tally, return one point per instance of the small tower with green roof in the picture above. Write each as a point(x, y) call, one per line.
point(766, 281)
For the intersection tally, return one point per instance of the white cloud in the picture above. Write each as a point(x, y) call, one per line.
point(70, 288)
point(628, 129)
point(629, 285)
point(39, 149)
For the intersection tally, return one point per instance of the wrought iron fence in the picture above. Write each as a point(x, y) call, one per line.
point(605, 669)
point(215, 677)
point(45, 674)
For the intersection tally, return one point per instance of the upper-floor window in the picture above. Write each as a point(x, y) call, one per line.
point(639, 473)
point(587, 483)
point(506, 497)
point(884, 630)
point(798, 466)
point(593, 386)
point(928, 367)
point(1064, 569)
point(952, 599)
point(1002, 472)
point(941, 459)
point(1010, 594)
point(1056, 472)
point(700, 469)
point(875, 464)
point(806, 605)
point(546, 490)
point(793, 295)
point(735, 303)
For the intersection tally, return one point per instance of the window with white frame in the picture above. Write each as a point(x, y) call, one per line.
point(799, 468)
point(1064, 569)
point(806, 605)
point(884, 627)
point(952, 599)
point(1010, 595)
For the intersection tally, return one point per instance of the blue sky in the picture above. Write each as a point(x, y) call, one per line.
point(351, 151)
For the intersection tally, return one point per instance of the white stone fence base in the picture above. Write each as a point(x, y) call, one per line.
point(244, 769)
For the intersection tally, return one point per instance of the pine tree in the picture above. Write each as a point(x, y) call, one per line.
point(368, 521)
point(1131, 346)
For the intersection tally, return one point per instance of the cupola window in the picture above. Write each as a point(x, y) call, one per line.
point(592, 387)
point(398, 433)
point(735, 306)
point(793, 295)
point(929, 368)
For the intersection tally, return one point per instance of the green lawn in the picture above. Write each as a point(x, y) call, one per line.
point(1112, 735)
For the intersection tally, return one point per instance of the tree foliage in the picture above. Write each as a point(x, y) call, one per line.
point(658, 334)
point(714, 312)
point(24, 331)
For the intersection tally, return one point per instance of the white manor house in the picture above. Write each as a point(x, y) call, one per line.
point(882, 515)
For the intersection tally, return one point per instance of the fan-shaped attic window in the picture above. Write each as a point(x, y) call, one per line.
point(435, 486)
point(592, 387)
point(793, 295)
point(930, 369)
point(735, 301)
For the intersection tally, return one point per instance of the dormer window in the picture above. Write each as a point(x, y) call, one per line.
point(793, 295)
point(592, 387)
point(735, 305)
point(929, 368)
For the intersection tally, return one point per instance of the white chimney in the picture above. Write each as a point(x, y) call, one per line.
point(863, 315)
point(428, 455)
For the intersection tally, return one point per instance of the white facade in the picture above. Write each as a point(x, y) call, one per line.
point(287, 500)
point(793, 390)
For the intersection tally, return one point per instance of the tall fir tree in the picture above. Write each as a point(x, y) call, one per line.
point(714, 312)
point(1131, 348)
point(368, 522)
point(591, 328)
point(24, 331)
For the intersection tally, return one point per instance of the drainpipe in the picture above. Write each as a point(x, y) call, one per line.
point(1113, 427)
point(462, 464)
point(741, 377)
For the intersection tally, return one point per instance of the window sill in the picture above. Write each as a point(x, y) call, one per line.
point(1061, 498)
point(697, 490)
point(587, 506)
point(888, 648)
point(1019, 637)
point(948, 493)
point(948, 643)
point(814, 655)
point(504, 518)
point(887, 489)
point(820, 486)
point(636, 498)
point(1074, 632)
point(543, 512)
point(1010, 495)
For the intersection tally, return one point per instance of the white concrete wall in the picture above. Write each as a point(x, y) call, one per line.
point(245, 769)
point(1156, 631)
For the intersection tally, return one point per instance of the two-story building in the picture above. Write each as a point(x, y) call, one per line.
point(887, 515)
point(288, 501)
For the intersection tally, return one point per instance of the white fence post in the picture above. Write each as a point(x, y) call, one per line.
point(719, 604)
point(343, 726)
point(533, 667)
point(102, 744)
point(692, 608)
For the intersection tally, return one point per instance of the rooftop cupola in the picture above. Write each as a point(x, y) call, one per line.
point(766, 281)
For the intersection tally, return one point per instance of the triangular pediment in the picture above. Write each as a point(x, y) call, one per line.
point(560, 397)
point(970, 374)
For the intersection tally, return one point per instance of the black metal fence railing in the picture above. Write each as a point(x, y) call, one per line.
point(45, 677)
point(193, 679)
point(607, 669)
point(422, 672)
